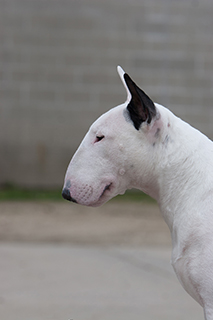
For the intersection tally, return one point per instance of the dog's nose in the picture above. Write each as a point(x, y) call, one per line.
point(67, 196)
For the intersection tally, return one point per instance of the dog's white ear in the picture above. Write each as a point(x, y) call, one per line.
point(141, 108)
point(121, 73)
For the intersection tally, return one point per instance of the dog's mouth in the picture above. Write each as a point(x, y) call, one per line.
point(108, 187)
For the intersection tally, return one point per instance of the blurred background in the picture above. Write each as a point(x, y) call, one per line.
point(58, 73)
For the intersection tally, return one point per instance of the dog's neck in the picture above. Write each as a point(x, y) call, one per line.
point(176, 167)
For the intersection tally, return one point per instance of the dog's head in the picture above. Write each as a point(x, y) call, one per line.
point(116, 152)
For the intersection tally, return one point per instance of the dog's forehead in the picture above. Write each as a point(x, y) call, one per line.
point(111, 118)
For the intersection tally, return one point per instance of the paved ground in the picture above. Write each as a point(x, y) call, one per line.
point(61, 261)
point(115, 223)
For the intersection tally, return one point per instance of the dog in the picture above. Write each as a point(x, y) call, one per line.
point(141, 144)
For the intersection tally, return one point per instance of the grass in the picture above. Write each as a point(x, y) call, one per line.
point(14, 193)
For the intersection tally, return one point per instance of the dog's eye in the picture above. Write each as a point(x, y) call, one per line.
point(99, 138)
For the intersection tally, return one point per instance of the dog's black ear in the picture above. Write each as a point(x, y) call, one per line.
point(141, 108)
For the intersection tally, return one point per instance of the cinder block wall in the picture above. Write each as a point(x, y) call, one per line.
point(58, 63)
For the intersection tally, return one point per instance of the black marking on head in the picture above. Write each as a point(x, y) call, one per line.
point(141, 108)
point(157, 133)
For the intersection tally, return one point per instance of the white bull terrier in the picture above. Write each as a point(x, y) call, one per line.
point(143, 145)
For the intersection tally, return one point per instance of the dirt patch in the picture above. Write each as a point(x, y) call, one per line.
point(115, 223)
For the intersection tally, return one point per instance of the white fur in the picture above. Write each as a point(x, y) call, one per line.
point(170, 161)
